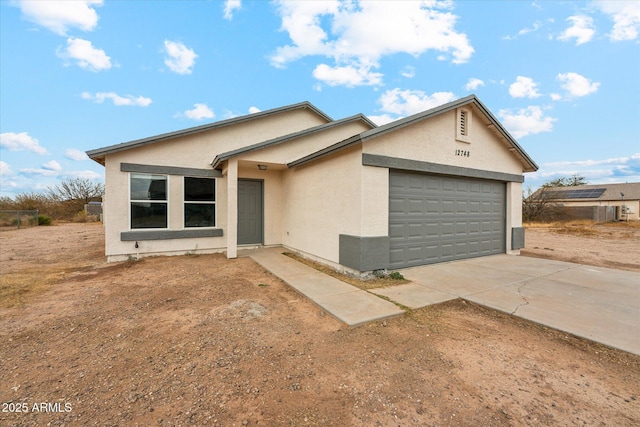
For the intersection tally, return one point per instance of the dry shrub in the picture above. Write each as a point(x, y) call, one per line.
point(623, 224)
point(81, 216)
point(583, 227)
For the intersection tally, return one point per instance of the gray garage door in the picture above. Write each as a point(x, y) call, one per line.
point(434, 218)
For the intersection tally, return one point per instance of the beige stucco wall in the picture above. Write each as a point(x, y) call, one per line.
point(300, 147)
point(322, 200)
point(434, 140)
point(193, 151)
point(514, 212)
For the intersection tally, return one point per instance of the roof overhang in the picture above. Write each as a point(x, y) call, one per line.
point(99, 154)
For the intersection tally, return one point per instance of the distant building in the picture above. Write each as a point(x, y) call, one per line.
point(599, 202)
point(93, 208)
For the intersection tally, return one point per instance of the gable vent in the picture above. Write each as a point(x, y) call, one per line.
point(463, 123)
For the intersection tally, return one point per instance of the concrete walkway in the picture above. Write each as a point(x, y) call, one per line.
point(347, 303)
point(596, 303)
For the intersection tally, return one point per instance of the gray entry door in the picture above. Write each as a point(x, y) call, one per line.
point(435, 218)
point(250, 212)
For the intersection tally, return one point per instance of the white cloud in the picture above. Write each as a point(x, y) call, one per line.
point(5, 169)
point(74, 154)
point(21, 142)
point(349, 75)
point(38, 171)
point(408, 102)
point(577, 85)
point(527, 121)
point(473, 84)
point(199, 112)
point(625, 16)
point(127, 100)
point(86, 56)
point(618, 169)
point(47, 171)
point(556, 96)
point(52, 165)
point(61, 15)
point(524, 87)
point(180, 59)
point(382, 119)
point(582, 29)
point(357, 34)
point(535, 27)
point(409, 72)
point(82, 174)
point(253, 110)
point(229, 7)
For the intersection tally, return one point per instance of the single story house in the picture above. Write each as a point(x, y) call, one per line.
point(441, 185)
point(599, 202)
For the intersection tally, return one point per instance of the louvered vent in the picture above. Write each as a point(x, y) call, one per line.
point(463, 123)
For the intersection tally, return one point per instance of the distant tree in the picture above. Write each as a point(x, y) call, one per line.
point(567, 181)
point(76, 189)
point(536, 205)
point(31, 201)
point(72, 194)
point(540, 205)
point(6, 203)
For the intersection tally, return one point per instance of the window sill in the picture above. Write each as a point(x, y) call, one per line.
point(129, 236)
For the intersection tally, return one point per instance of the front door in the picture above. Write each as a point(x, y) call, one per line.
point(250, 219)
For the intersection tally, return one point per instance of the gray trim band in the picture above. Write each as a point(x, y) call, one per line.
point(130, 236)
point(436, 168)
point(517, 238)
point(364, 253)
point(169, 170)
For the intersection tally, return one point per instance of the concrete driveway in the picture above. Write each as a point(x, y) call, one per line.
point(600, 304)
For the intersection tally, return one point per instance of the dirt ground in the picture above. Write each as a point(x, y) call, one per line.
point(612, 245)
point(202, 340)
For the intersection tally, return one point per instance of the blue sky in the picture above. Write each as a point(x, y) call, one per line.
point(562, 77)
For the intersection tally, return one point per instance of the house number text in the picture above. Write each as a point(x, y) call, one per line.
point(463, 153)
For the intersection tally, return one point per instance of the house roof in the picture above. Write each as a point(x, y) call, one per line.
point(305, 132)
point(99, 154)
point(528, 163)
point(595, 192)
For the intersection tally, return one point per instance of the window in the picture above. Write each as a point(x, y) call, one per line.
point(199, 202)
point(148, 201)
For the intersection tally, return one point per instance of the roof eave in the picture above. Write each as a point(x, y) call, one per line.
point(528, 163)
point(355, 139)
point(101, 152)
point(285, 138)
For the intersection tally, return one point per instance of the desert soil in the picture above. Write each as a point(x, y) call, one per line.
point(202, 340)
point(612, 245)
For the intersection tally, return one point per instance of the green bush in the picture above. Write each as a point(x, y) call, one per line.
point(396, 276)
point(44, 220)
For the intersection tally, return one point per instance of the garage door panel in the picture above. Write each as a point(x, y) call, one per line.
point(434, 218)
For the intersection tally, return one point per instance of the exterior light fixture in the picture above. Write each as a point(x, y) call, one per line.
point(262, 167)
